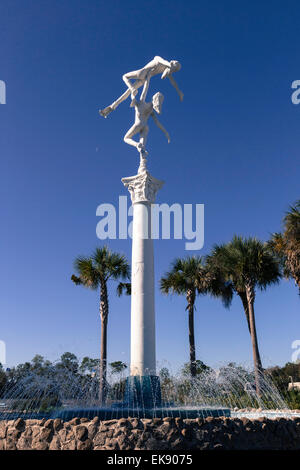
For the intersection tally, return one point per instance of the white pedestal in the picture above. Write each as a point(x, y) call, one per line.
point(143, 188)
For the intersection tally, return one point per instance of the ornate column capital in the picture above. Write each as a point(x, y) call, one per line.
point(142, 187)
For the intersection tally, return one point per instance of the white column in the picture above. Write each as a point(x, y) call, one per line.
point(143, 188)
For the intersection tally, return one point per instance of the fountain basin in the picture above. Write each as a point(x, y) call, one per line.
point(122, 412)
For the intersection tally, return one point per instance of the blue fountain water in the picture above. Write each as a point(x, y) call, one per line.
point(61, 393)
point(142, 399)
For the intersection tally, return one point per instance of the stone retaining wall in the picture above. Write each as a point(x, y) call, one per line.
point(152, 434)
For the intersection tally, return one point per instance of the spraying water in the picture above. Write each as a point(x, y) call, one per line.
point(58, 392)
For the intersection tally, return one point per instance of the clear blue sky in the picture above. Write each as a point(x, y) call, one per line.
point(235, 148)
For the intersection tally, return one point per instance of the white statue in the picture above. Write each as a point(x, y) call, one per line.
point(143, 111)
point(142, 77)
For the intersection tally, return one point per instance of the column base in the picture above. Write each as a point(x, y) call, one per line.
point(142, 391)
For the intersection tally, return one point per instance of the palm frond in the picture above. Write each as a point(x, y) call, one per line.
point(246, 260)
point(101, 266)
point(124, 287)
point(111, 265)
point(292, 220)
point(173, 282)
point(76, 280)
point(88, 275)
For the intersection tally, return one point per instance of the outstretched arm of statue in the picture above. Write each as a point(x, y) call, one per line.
point(160, 126)
point(173, 82)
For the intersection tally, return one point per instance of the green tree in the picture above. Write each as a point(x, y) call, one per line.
point(190, 276)
point(3, 379)
point(282, 377)
point(94, 272)
point(200, 368)
point(39, 364)
point(117, 367)
point(37, 361)
point(19, 372)
point(164, 374)
point(248, 265)
point(69, 362)
point(88, 365)
point(167, 384)
point(286, 245)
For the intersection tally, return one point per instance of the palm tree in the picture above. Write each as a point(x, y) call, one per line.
point(94, 272)
point(286, 245)
point(247, 264)
point(189, 276)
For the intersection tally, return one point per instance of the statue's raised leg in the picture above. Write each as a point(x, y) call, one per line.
point(106, 111)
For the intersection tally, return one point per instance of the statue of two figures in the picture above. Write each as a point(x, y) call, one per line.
point(144, 110)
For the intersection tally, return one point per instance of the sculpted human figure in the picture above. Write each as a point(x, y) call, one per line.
point(143, 111)
point(142, 78)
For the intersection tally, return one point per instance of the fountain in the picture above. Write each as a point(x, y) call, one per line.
point(60, 393)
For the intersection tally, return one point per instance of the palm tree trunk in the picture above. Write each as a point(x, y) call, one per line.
point(103, 351)
point(256, 356)
point(243, 297)
point(292, 264)
point(191, 301)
